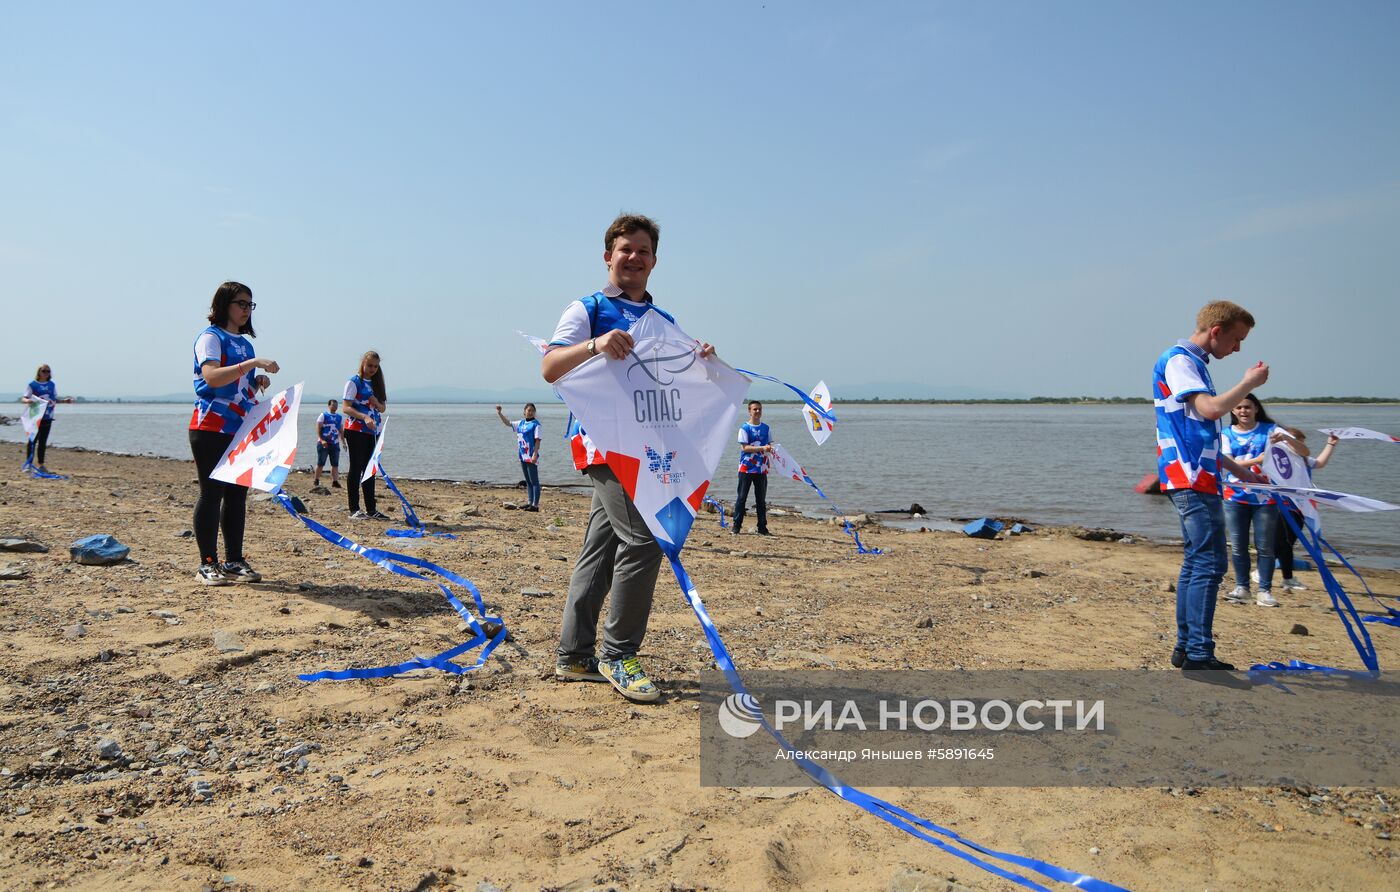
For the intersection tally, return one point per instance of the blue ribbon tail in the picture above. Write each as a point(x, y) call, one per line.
point(1391, 611)
point(890, 814)
point(1341, 604)
point(399, 564)
point(415, 530)
point(845, 524)
point(711, 500)
point(812, 404)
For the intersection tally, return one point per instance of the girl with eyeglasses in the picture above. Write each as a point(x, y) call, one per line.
point(363, 400)
point(226, 385)
point(42, 390)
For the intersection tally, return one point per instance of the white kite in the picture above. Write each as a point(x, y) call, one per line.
point(1294, 478)
point(663, 417)
point(539, 344)
point(1343, 500)
point(1358, 433)
point(820, 428)
point(32, 414)
point(373, 467)
point(265, 446)
point(781, 461)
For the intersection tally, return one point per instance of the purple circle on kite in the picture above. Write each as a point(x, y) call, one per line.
point(1281, 459)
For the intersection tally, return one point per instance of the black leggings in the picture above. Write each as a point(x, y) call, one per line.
point(1283, 543)
point(39, 443)
point(219, 503)
point(361, 445)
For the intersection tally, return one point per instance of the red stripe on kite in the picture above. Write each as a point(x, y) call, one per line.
point(697, 497)
point(626, 468)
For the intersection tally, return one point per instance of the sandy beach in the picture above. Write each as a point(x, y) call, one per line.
point(507, 779)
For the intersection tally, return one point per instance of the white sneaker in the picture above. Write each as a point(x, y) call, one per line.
point(1293, 585)
point(1265, 598)
point(210, 574)
point(1239, 596)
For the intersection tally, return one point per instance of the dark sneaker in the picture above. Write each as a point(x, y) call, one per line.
point(239, 571)
point(1214, 672)
point(1212, 665)
point(630, 679)
point(335, 484)
point(1178, 657)
point(577, 669)
point(210, 574)
point(378, 515)
point(733, 531)
point(764, 533)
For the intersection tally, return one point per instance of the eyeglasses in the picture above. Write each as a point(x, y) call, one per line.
point(45, 370)
point(245, 304)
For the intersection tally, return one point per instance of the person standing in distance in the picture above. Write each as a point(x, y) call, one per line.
point(365, 397)
point(619, 555)
point(329, 425)
point(42, 390)
point(754, 447)
point(527, 435)
point(1188, 414)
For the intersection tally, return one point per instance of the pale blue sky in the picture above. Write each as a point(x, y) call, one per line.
point(906, 199)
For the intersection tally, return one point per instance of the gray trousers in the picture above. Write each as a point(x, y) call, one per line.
point(618, 554)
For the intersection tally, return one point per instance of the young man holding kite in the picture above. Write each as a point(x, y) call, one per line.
point(1188, 414)
point(619, 554)
point(754, 449)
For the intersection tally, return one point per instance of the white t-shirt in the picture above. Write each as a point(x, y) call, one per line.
point(573, 327)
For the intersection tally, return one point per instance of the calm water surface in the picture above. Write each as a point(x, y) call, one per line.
point(1048, 464)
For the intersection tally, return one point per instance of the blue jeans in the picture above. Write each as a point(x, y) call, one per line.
point(532, 482)
point(1202, 568)
point(1238, 516)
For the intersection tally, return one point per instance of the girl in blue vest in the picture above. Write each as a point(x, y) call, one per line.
point(527, 435)
point(364, 399)
point(42, 390)
point(1246, 441)
point(226, 385)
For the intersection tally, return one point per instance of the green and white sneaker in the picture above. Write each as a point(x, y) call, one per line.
point(577, 669)
point(630, 679)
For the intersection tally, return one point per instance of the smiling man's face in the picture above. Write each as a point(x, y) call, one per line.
point(630, 262)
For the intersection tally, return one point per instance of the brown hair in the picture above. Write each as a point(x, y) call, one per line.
point(1223, 313)
point(224, 295)
point(42, 368)
point(376, 383)
point(626, 224)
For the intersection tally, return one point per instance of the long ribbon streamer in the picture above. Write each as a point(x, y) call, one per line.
point(399, 564)
point(720, 508)
point(850, 529)
point(415, 530)
point(885, 811)
point(40, 475)
point(1341, 604)
point(826, 414)
point(1393, 616)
